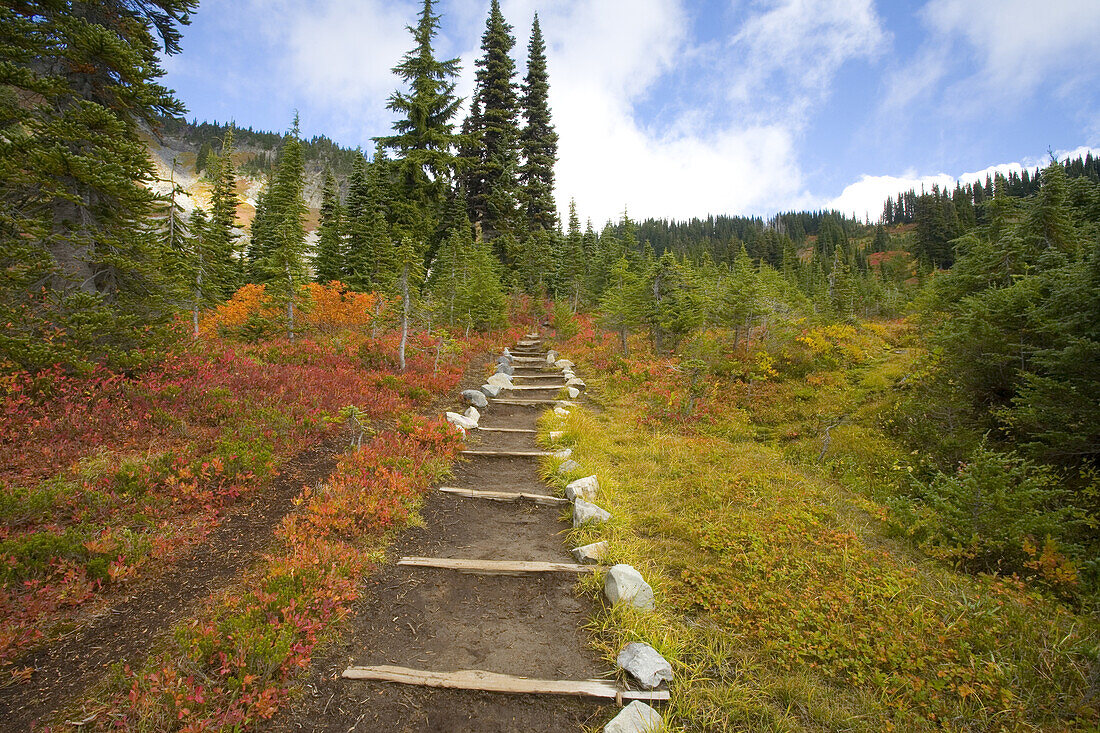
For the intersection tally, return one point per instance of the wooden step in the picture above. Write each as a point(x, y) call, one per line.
point(508, 453)
point(537, 376)
point(479, 680)
point(496, 567)
point(539, 387)
point(530, 431)
point(528, 360)
point(532, 403)
point(504, 495)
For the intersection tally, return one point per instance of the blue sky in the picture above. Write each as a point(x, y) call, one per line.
point(677, 109)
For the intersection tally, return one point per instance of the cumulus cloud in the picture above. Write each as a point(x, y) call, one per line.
point(999, 50)
point(785, 55)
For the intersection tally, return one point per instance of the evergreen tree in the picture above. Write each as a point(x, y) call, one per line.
point(329, 262)
point(222, 233)
point(424, 135)
point(284, 265)
point(494, 196)
point(623, 307)
point(81, 268)
point(674, 309)
point(538, 140)
point(261, 236)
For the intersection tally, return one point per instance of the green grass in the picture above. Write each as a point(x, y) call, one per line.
point(782, 603)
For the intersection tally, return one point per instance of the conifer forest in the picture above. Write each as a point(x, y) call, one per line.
point(855, 463)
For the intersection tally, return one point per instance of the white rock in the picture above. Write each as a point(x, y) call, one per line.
point(637, 717)
point(461, 421)
point(568, 466)
point(551, 357)
point(563, 453)
point(592, 553)
point(645, 664)
point(473, 414)
point(475, 398)
point(561, 411)
point(556, 434)
point(507, 353)
point(624, 584)
point(500, 380)
point(573, 393)
point(563, 363)
point(505, 360)
point(584, 512)
point(583, 488)
point(505, 368)
point(490, 390)
point(576, 382)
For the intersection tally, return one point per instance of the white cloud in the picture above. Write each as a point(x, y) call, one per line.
point(788, 55)
point(865, 197)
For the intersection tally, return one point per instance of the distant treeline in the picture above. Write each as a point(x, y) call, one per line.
point(941, 215)
point(320, 152)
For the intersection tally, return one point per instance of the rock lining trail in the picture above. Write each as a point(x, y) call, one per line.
point(444, 620)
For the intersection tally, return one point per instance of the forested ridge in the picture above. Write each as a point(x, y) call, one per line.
point(158, 362)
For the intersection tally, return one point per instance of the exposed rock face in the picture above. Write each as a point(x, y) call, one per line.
point(645, 664)
point(624, 584)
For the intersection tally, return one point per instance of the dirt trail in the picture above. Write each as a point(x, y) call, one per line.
point(442, 620)
point(124, 631)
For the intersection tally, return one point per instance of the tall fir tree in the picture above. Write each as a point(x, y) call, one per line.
point(538, 140)
point(81, 268)
point(494, 175)
point(328, 264)
point(285, 264)
point(223, 216)
point(424, 136)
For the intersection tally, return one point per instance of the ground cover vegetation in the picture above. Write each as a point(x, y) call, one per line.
point(858, 460)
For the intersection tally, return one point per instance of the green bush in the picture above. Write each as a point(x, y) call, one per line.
point(995, 511)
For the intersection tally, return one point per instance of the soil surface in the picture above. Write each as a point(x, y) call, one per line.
point(124, 631)
point(442, 620)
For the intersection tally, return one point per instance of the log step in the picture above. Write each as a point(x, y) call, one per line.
point(533, 403)
point(496, 567)
point(504, 495)
point(540, 387)
point(509, 453)
point(530, 431)
point(479, 680)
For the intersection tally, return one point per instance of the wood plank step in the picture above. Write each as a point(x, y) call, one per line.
point(476, 679)
point(530, 431)
point(541, 387)
point(504, 495)
point(506, 453)
point(532, 403)
point(496, 567)
point(528, 359)
point(537, 376)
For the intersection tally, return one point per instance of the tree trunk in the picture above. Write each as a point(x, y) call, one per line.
point(622, 337)
point(404, 317)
